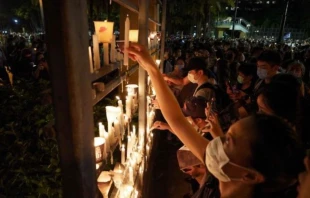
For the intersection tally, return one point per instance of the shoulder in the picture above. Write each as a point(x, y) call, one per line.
point(204, 92)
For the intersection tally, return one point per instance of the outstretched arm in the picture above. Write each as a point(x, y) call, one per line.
point(168, 103)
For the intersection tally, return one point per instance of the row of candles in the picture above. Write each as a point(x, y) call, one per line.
point(104, 34)
point(135, 155)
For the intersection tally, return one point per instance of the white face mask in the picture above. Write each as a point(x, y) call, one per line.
point(191, 78)
point(261, 73)
point(216, 158)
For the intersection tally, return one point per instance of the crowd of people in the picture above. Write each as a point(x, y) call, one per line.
point(23, 58)
point(241, 109)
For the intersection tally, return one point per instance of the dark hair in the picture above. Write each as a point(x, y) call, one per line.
point(271, 57)
point(282, 99)
point(247, 69)
point(277, 152)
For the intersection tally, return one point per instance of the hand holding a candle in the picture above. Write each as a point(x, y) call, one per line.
point(161, 126)
point(141, 54)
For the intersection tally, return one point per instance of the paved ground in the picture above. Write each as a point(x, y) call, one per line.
point(168, 180)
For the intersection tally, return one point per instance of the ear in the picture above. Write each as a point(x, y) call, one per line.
point(276, 67)
point(252, 177)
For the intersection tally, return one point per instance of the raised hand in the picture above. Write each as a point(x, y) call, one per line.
point(161, 126)
point(141, 54)
point(214, 125)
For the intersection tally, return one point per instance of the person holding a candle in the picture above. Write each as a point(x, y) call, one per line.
point(260, 156)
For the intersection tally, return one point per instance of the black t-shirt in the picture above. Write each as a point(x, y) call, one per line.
point(210, 189)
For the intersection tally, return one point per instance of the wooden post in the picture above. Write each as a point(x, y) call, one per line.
point(163, 35)
point(67, 42)
point(143, 35)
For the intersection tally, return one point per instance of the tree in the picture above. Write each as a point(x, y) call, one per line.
point(29, 12)
point(183, 14)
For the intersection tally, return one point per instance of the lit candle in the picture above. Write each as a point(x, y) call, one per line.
point(113, 50)
point(96, 52)
point(91, 66)
point(123, 160)
point(126, 44)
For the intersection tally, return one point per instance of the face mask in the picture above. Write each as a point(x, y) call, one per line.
point(216, 158)
point(261, 73)
point(240, 79)
point(191, 78)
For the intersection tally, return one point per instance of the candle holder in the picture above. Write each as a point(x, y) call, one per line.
point(103, 182)
point(104, 30)
point(99, 148)
point(112, 113)
point(118, 175)
point(134, 35)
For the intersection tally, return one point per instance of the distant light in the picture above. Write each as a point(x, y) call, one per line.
point(195, 26)
point(267, 2)
point(15, 20)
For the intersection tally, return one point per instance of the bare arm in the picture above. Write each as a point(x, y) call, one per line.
point(177, 81)
point(168, 103)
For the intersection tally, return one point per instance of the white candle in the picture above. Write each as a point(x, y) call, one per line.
point(106, 54)
point(96, 52)
point(91, 66)
point(128, 107)
point(136, 194)
point(149, 42)
point(107, 143)
point(131, 181)
point(141, 137)
point(112, 157)
point(128, 146)
point(126, 38)
point(134, 129)
point(117, 129)
point(113, 50)
point(147, 149)
point(123, 160)
point(101, 129)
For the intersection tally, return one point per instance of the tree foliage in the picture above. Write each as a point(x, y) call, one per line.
point(183, 14)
